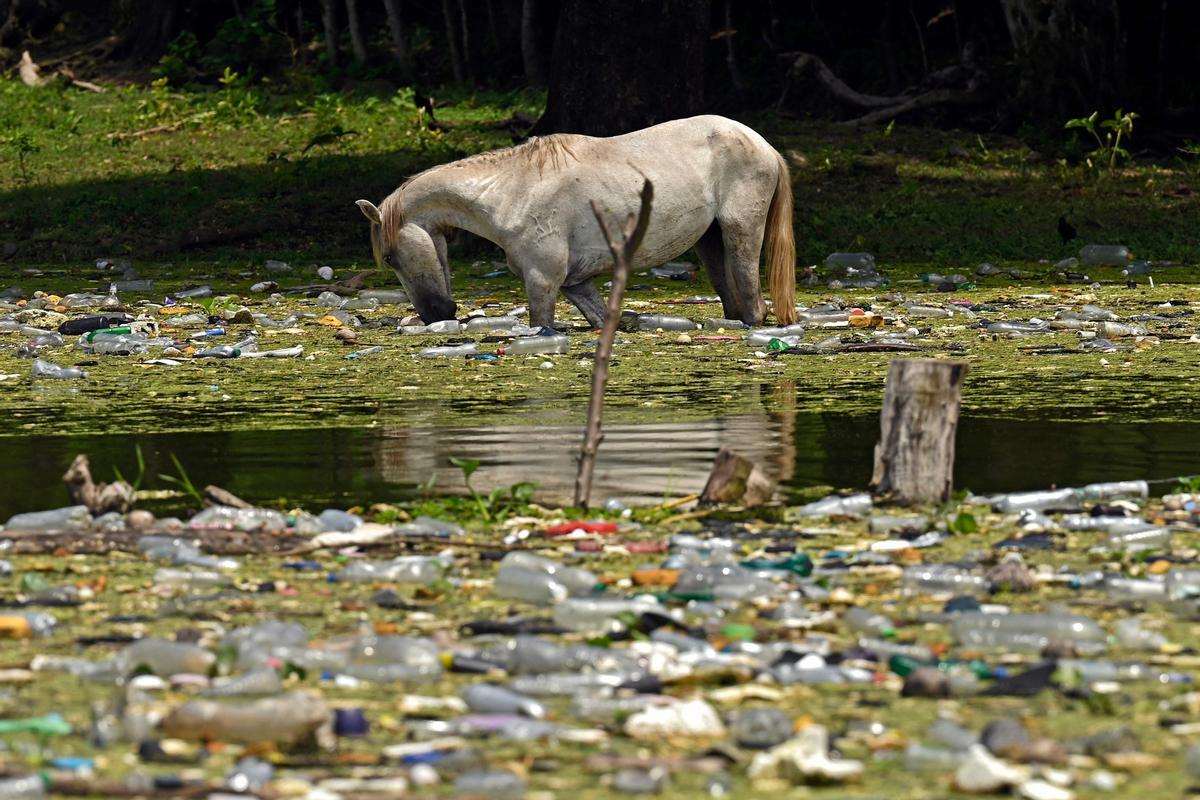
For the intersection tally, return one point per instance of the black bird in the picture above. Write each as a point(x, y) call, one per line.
point(1066, 230)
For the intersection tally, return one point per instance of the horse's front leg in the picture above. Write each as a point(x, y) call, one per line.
point(543, 279)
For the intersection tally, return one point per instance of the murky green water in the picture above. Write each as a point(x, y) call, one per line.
point(318, 467)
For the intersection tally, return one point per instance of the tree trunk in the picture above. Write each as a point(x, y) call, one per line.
point(620, 65)
point(399, 45)
point(914, 459)
point(329, 22)
point(452, 41)
point(735, 74)
point(155, 26)
point(356, 38)
point(531, 56)
point(1068, 56)
point(468, 73)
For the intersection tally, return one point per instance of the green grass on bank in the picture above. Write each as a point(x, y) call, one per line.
point(242, 174)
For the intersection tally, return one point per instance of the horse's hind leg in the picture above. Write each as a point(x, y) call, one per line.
point(711, 250)
point(743, 237)
point(586, 297)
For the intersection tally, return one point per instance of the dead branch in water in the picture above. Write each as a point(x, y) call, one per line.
point(622, 252)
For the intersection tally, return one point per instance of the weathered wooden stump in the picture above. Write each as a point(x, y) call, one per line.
point(736, 479)
point(914, 459)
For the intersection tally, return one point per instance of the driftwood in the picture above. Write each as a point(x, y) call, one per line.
point(914, 459)
point(736, 479)
point(879, 108)
point(622, 252)
point(222, 497)
point(100, 498)
point(30, 71)
point(345, 287)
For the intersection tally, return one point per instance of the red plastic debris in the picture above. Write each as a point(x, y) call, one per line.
point(564, 528)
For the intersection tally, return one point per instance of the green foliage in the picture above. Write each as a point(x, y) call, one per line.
point(141, 473)
point(178, 64)
point(501, 502)
point(963, 523)
point(21, 144)
point(1108, 147)
point(182, 480)
point(1189, 485)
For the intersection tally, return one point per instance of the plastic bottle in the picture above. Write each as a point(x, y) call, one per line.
point(195, 292)
point(862, 261)
point(726, 324)
point(555, 343)
point(26, 624)
point(249, 775)
point(476, 324)
point(1115, 330)
point(1141, 267)
point(283, 352)
point(723, 582)
point(654, 322)
point(189, 579)
point(422, 570)
point(595, 614)
point(97, 322)
point(288, 718)
point(1013, 328)
point(115, 344)
point(1132, 636)
point(484, 698)
point(1153, 538)
point(944, 578)
point(1118, 587)
point(489, 783)
point(44, 369)
point(576, 580)
point(1092, 671)
point(329, 299)
point(868, 623)
point(529, 586)
point(243, 519)
point(386, 297)
point(568, 684)
point(1114, 255)
point(368, 351)
point(70, 518)
point(919, 756)
point(1183, 584)
point(359, 304)
point(675, 270)
point(854, 505)
point(444, 326)
point(1041, 500)
point(975, 629)
point(179, 551)
point(263, 681)
point(165, 657)
point(450, 351)
point(220, 351)
point(24, 787)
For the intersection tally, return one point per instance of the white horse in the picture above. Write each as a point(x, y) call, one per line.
point(718, 187)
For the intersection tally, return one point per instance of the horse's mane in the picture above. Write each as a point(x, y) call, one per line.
point(540, 152)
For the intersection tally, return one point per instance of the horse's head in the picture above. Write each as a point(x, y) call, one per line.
point(410, 252)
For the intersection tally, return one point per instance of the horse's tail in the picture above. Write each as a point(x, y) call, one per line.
point(781, 248)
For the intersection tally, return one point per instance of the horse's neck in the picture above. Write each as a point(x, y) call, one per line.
point(454, 198)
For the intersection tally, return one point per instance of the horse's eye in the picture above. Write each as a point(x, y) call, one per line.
point(387, 258)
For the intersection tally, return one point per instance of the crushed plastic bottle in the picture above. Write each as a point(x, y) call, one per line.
point(835, 505)
point(1105, 254)
point(552, 343)
point(44, 369)
point(655, 322)
point(450, 351)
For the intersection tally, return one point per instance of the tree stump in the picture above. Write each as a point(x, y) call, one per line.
point(914, 459)
point(734, 478)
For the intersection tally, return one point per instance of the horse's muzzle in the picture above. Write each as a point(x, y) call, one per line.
point(436, 309)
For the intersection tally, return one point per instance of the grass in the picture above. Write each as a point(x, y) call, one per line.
point(241, 174)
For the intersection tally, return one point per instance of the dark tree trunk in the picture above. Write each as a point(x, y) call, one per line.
point(1068, 56)
point(356, 37)
point(329, 22)
point(452, 41)
point(620, 65)
point(530, 53)
point(468, 73)
point(735, 74)
point(399, 45)
point(156, 23)
point(8, 10)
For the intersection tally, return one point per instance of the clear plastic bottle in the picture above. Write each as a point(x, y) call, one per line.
point(44, 369)
point(489, 783)
point(478, 324)
point(450, 351)
point(189, 578)
point(1026, 632)
point(367, 351)
point(834, 505)
point(655, 322)
point(444, 326)
point(1183, 584)
point(1132, 636)
point(23, 787)
point(568, 684)
point(576, 579)
point(1154, 538)
point(329, 299)
point(264, 681)
point(868, 623)
point(528, 585)
point(919, 756)
point(220, 351)
point(1119, 587)
point(1114, 330)
point(165, 657)
point(596, 614)
point(1114, 255)
point(861, 261)
point(485, 698)
point(386, 297)
point(723, 582)
point(523, 345)
point(70, 518)
point(944, 578)
point(289, 718)
point(422, 570)
point(1040, 500)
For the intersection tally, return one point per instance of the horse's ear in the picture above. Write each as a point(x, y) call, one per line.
point(370, 211)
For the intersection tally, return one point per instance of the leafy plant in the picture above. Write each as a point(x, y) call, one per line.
point(1189, 485)
point(182, 480)
point(177, 64)
point(141, 473)
point(22, 146)
point(501, 501)
point(1108, 147)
